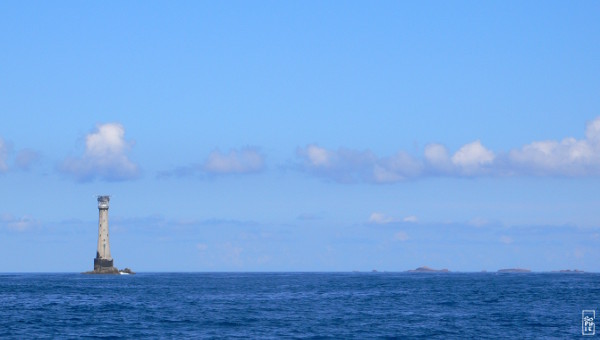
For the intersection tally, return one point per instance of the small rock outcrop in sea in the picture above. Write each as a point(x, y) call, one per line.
point(574, 271)
point(514, 270)
point(126, 271)
point(428, 270)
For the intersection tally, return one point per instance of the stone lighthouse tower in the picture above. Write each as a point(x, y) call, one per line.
point(103, 263)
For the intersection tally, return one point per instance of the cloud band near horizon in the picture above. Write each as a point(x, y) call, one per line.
point(569, 157)
point(106, 158)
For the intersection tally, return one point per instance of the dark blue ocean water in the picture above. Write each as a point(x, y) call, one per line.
point(296, 305)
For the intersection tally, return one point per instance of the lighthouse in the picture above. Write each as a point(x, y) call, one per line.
point(103, 263)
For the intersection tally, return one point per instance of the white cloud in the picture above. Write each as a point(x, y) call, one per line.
point(568, 157)
point(17, 223)
point(24, 159)
point(592, 130)
point(401, 236)
point(384, 175)
point(379, 218)
point(506, 240)
point(3, 156)
point(410, 219)
point(243, 161)
point(396, 168)
point(438, 158)
point(349, 166)
point(472, 158)
point(105, 156)
point(342, 165)
point(318, 156)
point(246, 160)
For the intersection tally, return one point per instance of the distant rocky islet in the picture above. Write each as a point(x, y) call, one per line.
point(426, 269)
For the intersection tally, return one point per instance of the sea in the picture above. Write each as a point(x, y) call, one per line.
point(297, 305)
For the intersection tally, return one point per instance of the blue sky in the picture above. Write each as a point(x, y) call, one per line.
point(283, 136)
